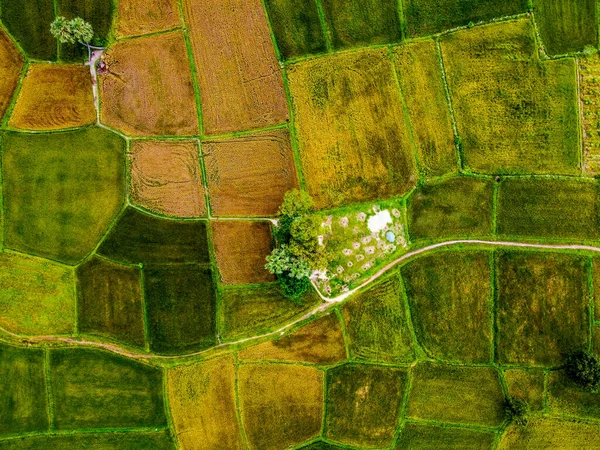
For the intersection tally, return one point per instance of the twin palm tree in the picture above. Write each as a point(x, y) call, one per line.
point(74, 31)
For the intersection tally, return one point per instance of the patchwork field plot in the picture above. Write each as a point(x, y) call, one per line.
point(54, 97)
point(148, 88)
point(526, 385)
point(36, 296)
point(354, 141)
point(454, 394)
point(363, 404)
point(377, 324)
point(542, 307)
point(455, 207)
point(564, 397)
point(355, 23)
point(109, 301)
point(203, 405)
point(548, 433)
point(514, 113)
point(567, 26)
point(135, 17)
point(289, 398)
point(320, 342)
point(11, 63)
point(94, 389)
point(240, 82)
point(166, 177)
point(160, 440)
point(248, 176)
point(548, 208)
point(589, 89)
point(417, 436)
point(420, 77)
point(61, 191)
point(451, 310)
point(320, 445)
point(423, 17)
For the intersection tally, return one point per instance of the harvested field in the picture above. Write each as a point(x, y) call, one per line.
point(287, 399)
point(23, 398)
point(11, 63)
point(241, 249)
point(418, 437)
point(135, 17)
point(458, 207)
point(548, 209)
point(420, 78)
point(377, 326)
point(363, 404)
point(424, 17)
point(95, 389)
point(320, 342)
point(54, 97)
point(515, 114)
point(567, 26)
point(565, 398)
point(138, 237)
point(203, 405)
point(240, 80)
point(359, 23)
point(28, 22)
point(252, 311)
point(551, 434)
point(542, 307)
point(526, 385)
point(109, 301)
point(248, 176)
point(354, 141)
point(61, 191)
point(166, 177)
point(160, 440)
point(36, 296)
point(454, 394)
point(449, 294)
point(181, 305)
point(589, 88)
point(296, 27)
point(148, 89)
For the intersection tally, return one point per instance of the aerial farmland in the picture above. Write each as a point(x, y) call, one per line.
point(299, 224)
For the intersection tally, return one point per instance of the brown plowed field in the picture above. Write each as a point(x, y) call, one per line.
point(54, 97)
point(166, 177)
point(248, 176)
point(137, 17)
point(240, 80)
point(148, 90)
point(241, 249)
point(11, 63)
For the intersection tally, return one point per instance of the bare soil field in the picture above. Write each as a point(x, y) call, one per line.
point(166, 177)
point(248, 176)
point(11, 62)
point(135, 17)
point(240, 80)
point(148, 89)
point(53, 97)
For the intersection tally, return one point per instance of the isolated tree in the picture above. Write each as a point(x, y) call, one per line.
point(516, 410)
point(584, 370)
point(74, 31)
point(295, 204)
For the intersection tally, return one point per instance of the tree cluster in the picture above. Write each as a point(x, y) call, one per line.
point(584, 370)
point(72, 31)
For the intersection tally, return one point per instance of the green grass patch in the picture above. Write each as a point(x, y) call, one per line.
point(320, 445)
point(546, 208)
point(181, 304)
point(255, 310)
point(542, 307)
point(566, 25)
point(36, 296)
point(564, 397)
point(95, 389)
point(449, 295)
point(515, 113)
point(160, 440)
point(296, 26)
point(358, 23)
point(363, 404)
point(29, 23)
point(377, 326)
point(457, 207)
point(527, 385)
point(418, 436)
point(109, 301)
point(61, 191)
point(424, 17)
point(596, 287)
point(23, 399)
point(139, 237)
point(551, 434)
point(455, 394)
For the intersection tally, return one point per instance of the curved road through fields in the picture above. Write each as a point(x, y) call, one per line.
point(328, 302)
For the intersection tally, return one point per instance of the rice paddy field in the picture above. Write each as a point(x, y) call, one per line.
point(452, 151)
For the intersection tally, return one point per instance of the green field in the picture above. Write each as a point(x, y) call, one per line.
point(565, 398)
point(416, 436)
point(159, 440)
point(550, 434)
point(527, 385)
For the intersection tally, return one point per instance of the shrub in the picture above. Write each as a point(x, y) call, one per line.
point(296, 203)
point(293, 288)
point(584, 370)
point(516, 410)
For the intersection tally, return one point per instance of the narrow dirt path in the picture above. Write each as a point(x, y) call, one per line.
point(95, 56)
point(328, 302)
